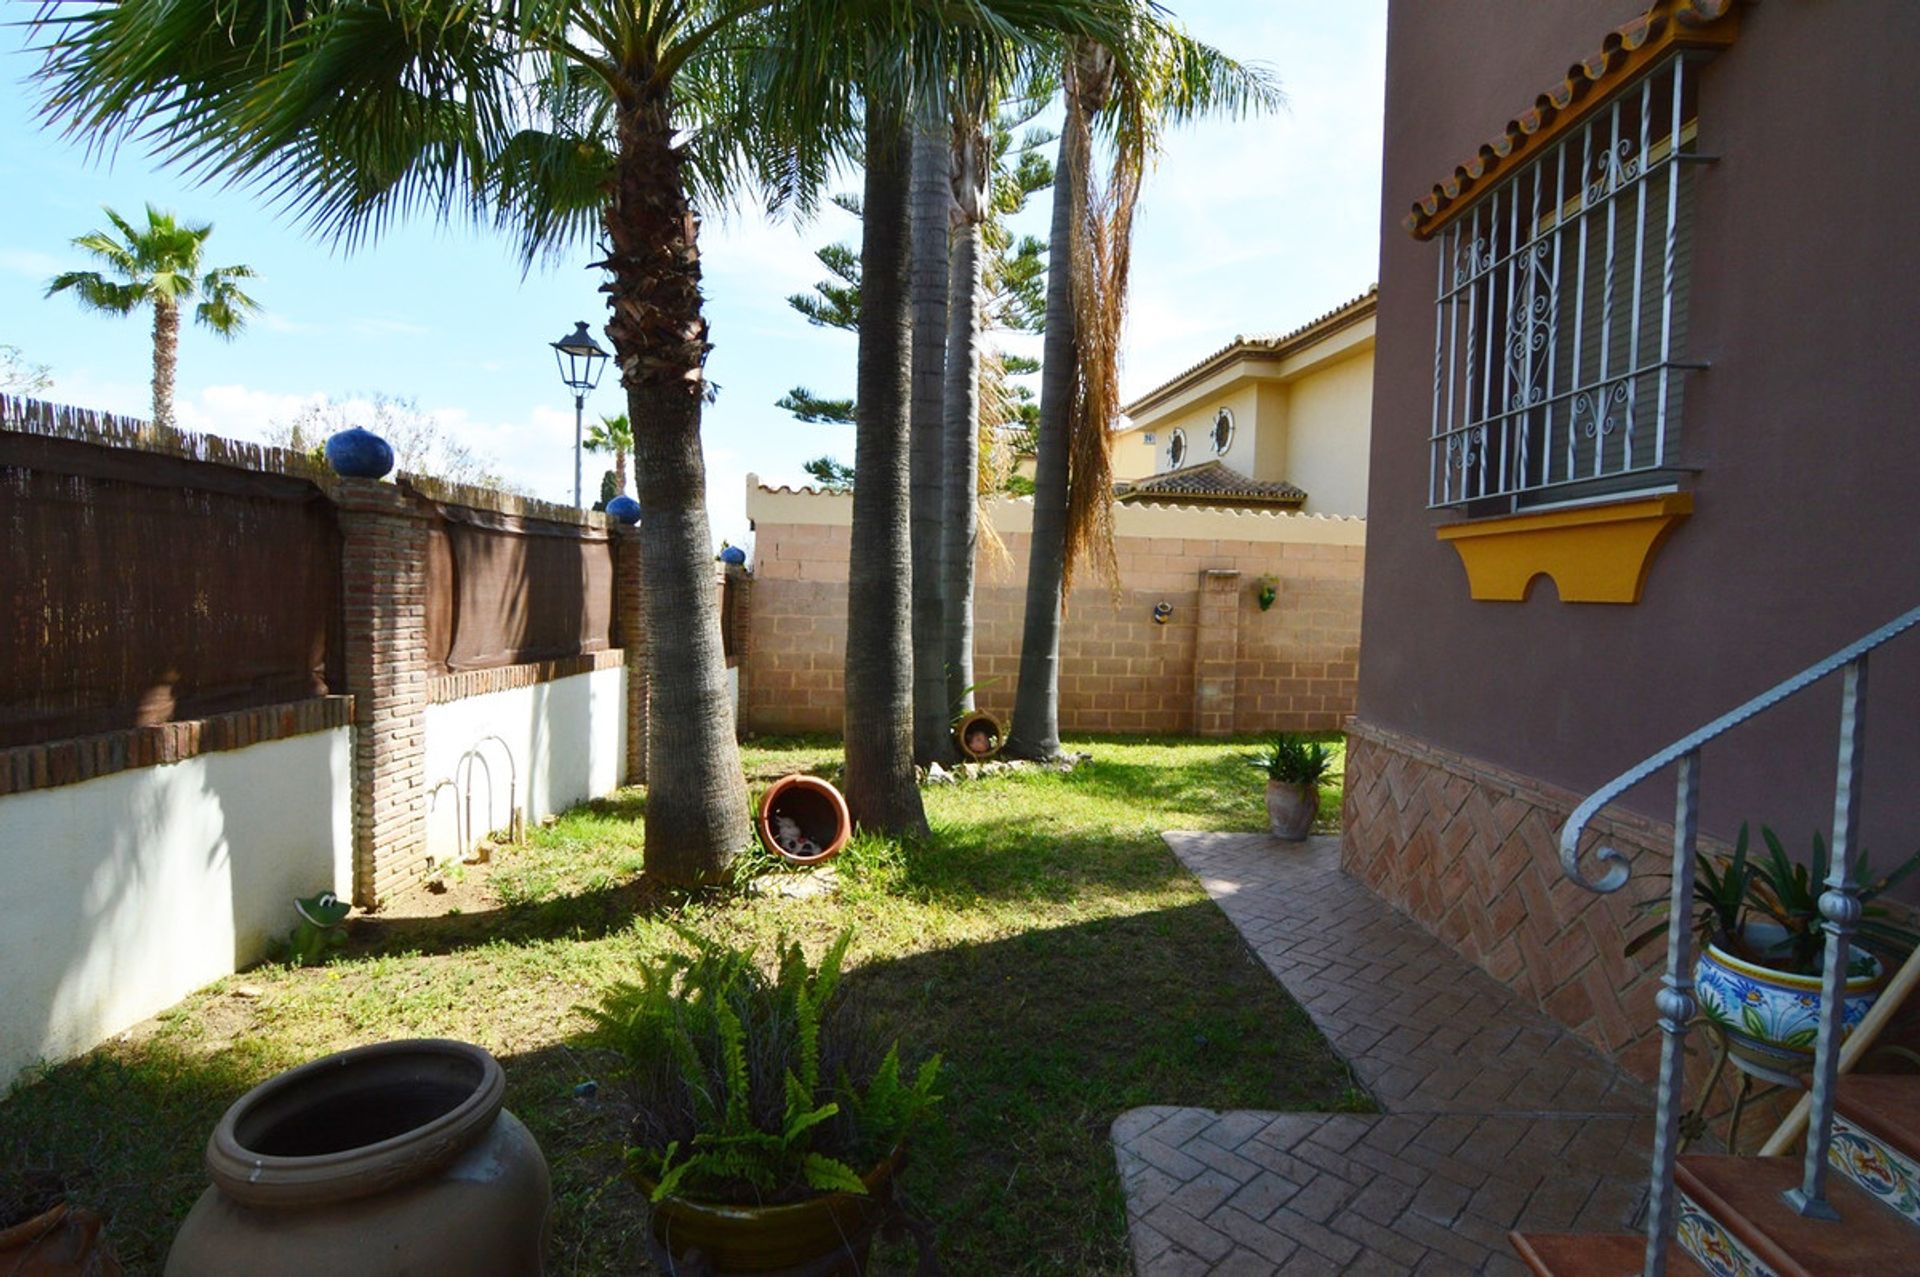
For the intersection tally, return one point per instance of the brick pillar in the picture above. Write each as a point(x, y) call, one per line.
point(630, 632)
point(383, 579)
point(1216, 652)
point(740, 582)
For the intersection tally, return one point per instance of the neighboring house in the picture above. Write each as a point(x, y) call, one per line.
point(1646, 370)
point(1274, 422)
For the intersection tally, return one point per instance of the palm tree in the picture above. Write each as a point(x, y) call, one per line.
point(1135, 89)
point(613, 434)
point(932, 197)
point(992, 282)
point(160, 266)
point(595, 122)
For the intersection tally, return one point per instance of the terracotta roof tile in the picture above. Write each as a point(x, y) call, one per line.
point(1211, 482)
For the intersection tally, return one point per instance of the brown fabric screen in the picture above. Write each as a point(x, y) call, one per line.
point(140, 589)
point(505, 590)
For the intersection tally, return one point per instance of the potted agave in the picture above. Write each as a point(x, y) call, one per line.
point(1295, 767)
point(771, 1126)
point(1762, 947)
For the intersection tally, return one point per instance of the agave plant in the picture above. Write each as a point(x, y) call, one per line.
point(1292, 759)
point(1780, 891)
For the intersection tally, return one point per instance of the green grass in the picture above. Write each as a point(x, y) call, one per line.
point(1044, 941)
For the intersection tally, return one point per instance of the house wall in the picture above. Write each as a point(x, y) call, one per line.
point(1218, 665)
point(545, 745)
point(1301, 419)
point(1801, 539)
point(130, 890)
point(1328, 414)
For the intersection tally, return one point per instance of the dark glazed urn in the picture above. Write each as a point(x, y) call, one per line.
point(625, 509)
point(395, 1160)
point(359, 454)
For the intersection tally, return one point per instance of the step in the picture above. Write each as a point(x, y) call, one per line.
point(1593, 1255)
point(1733, 1209)
point(1876, 1138)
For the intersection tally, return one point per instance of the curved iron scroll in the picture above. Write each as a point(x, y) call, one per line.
point(1618, 869)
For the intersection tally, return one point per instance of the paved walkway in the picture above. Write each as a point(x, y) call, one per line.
point(1493, 1116)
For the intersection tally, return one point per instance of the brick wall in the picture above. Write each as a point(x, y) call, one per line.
point(1291, 667)
point(1470, 851)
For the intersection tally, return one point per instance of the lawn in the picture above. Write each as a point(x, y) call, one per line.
point(1044, 942)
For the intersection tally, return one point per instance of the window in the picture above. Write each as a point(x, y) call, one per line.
point(1177, 450)
point(1222, 431)
point(1561, 313)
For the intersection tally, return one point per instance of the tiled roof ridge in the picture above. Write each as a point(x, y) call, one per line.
point(1665, 23)
point(1232, 483)
point(805, 490)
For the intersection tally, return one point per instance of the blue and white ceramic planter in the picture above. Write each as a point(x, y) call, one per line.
point(1771, 1018)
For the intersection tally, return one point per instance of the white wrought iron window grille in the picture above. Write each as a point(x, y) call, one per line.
point(1560, 321)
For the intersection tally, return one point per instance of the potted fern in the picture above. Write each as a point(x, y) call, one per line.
point(771, 1125)
point(1295, 767)
point(1762, 948)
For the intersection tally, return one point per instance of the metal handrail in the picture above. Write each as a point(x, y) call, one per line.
point(1839, 908)
point(1619, 872)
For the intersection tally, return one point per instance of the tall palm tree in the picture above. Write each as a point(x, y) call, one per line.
point(931, 198)
point(567, 122)
point(1132, 90)
point(160, 266)
point(613, 435)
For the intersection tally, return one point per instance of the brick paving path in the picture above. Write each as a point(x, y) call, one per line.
point(1493, 1116)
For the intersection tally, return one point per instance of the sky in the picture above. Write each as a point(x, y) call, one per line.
point(1245, 226)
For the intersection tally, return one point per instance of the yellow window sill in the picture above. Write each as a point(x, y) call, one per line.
point(1594, 554)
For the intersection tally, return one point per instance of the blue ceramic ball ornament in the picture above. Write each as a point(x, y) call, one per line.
point(734, 555)
point(624, 508)
point(359, 454)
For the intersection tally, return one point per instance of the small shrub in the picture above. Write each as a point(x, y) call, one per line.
point(1294, 760)
point(756, 1088)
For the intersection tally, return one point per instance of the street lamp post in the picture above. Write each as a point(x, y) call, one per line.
point(581, 360)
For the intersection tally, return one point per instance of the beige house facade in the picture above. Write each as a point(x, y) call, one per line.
point(1282, 420)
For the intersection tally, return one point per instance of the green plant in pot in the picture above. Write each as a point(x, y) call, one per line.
point(1762, 945)
point(771, 1122)
point(1295, 766)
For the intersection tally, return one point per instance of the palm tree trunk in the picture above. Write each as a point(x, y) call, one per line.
point(619, 472)
point(932, 195)
point(881, 793)
point(166, 356)
point(1036, 709)
point(696, 818)
point(962, 429)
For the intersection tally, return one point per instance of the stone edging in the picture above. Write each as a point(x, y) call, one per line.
point(445, 688)
point(25, 768)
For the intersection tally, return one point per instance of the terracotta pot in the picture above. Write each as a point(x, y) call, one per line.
point(1772, 1018)
point(62, 1242)
point(970, 728)
point(380, 1161)
point(759, 1239)
point(1291, 809)
point(816, 807)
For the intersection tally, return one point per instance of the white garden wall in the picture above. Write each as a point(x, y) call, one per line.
point(127, 892)
point(546, 747)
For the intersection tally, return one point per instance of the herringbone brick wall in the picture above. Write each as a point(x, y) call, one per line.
point(1470, 852)
point(1292, 667)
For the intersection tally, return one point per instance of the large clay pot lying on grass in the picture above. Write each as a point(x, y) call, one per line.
point(816, 809)
point(380, 1161)
point(764, 1239)
point(1291, 809)
point(58, 1242)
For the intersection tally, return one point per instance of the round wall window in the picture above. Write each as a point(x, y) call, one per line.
point(1177, 450)
point(1222, 431)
